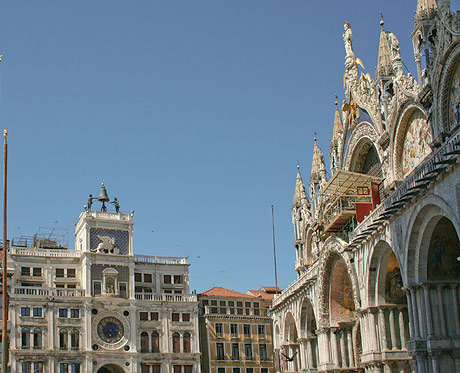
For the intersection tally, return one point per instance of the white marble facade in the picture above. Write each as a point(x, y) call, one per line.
point(100, 308)
point(377, 245)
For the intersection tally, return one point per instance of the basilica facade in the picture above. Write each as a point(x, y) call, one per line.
point(377, 244)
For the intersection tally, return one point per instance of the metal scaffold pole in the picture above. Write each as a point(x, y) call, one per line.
point(4, 264)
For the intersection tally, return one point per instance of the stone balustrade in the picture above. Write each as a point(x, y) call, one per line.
point(51, 253)
point(40, 292)
point(166, 297)
point(160, 259)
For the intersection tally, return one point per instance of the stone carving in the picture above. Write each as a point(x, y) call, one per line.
point(348, 40)
point(107, 245)
point(416, 144)
point(454, 99)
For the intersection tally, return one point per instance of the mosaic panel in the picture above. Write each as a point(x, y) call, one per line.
point(121, 239)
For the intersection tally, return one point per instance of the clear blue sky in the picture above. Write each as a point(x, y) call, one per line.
point(194, 112)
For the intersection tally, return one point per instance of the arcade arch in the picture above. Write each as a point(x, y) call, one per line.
point(110, 368)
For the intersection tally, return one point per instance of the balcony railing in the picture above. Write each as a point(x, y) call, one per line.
point(52, 253)
point(166, 297)
point(109, 215)
point(160, 259)
point(31, 291)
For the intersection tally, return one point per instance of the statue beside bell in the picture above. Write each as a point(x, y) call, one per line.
point(104, 198)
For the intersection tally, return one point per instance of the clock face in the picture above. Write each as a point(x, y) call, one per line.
point(110, 329)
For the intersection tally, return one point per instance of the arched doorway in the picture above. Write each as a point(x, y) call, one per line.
point(386, 318)
point(342, 317)
point(290, 354)
point(309, 341)
point(111, 368)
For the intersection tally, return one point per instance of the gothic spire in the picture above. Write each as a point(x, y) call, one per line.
point(425, 9)
point(300, 196)
point(338, 125)
point(384, 59)
point(425, 5)
point(318, 168)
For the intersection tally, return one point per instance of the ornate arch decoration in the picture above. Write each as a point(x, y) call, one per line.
point(363, 135)
point(421, 226)
point(291, 334)
point(306, 315)
point(449, 92)
point(412, 137)
point(382, 285)
point(328, 258)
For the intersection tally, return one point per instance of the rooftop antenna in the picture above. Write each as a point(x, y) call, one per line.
point(274, 246)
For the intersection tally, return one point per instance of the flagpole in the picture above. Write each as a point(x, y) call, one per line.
point(5, 256)
point(274, 247)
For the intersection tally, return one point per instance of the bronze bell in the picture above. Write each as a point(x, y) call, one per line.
point(103, 197)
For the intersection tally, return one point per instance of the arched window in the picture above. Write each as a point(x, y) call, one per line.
point(25, 338)
point(75, 339)
point(155, 342)
point(144, 342)
point(176, 342)
point(37, 338)
point(63, 343)
point(186, 342)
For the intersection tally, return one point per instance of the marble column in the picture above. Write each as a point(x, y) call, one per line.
point(335, 352)
point(421, 311)
point(382, 327)
point(435, 360)
point(393, 336)
point(454, 290)
point(413, 309)
point(343, 348)
point(309, 364)
point(429, 317)
point(421, 363)
point(372, 325)
point(442, 317)
point(410, 314)
point(402, 328)
point(302, 353)
point(351, 357)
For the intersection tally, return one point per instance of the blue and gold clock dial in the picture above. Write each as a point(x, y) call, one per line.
point(110, 330)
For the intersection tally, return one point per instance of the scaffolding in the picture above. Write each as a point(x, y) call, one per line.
point(349, 196)
point(45, 238)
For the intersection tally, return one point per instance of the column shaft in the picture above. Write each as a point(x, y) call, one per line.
point(429, 317)
point(343, 349)
point(441, 311)
point(402, 328)
point(393, 336)
point(382, 327)
point(456, 313)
